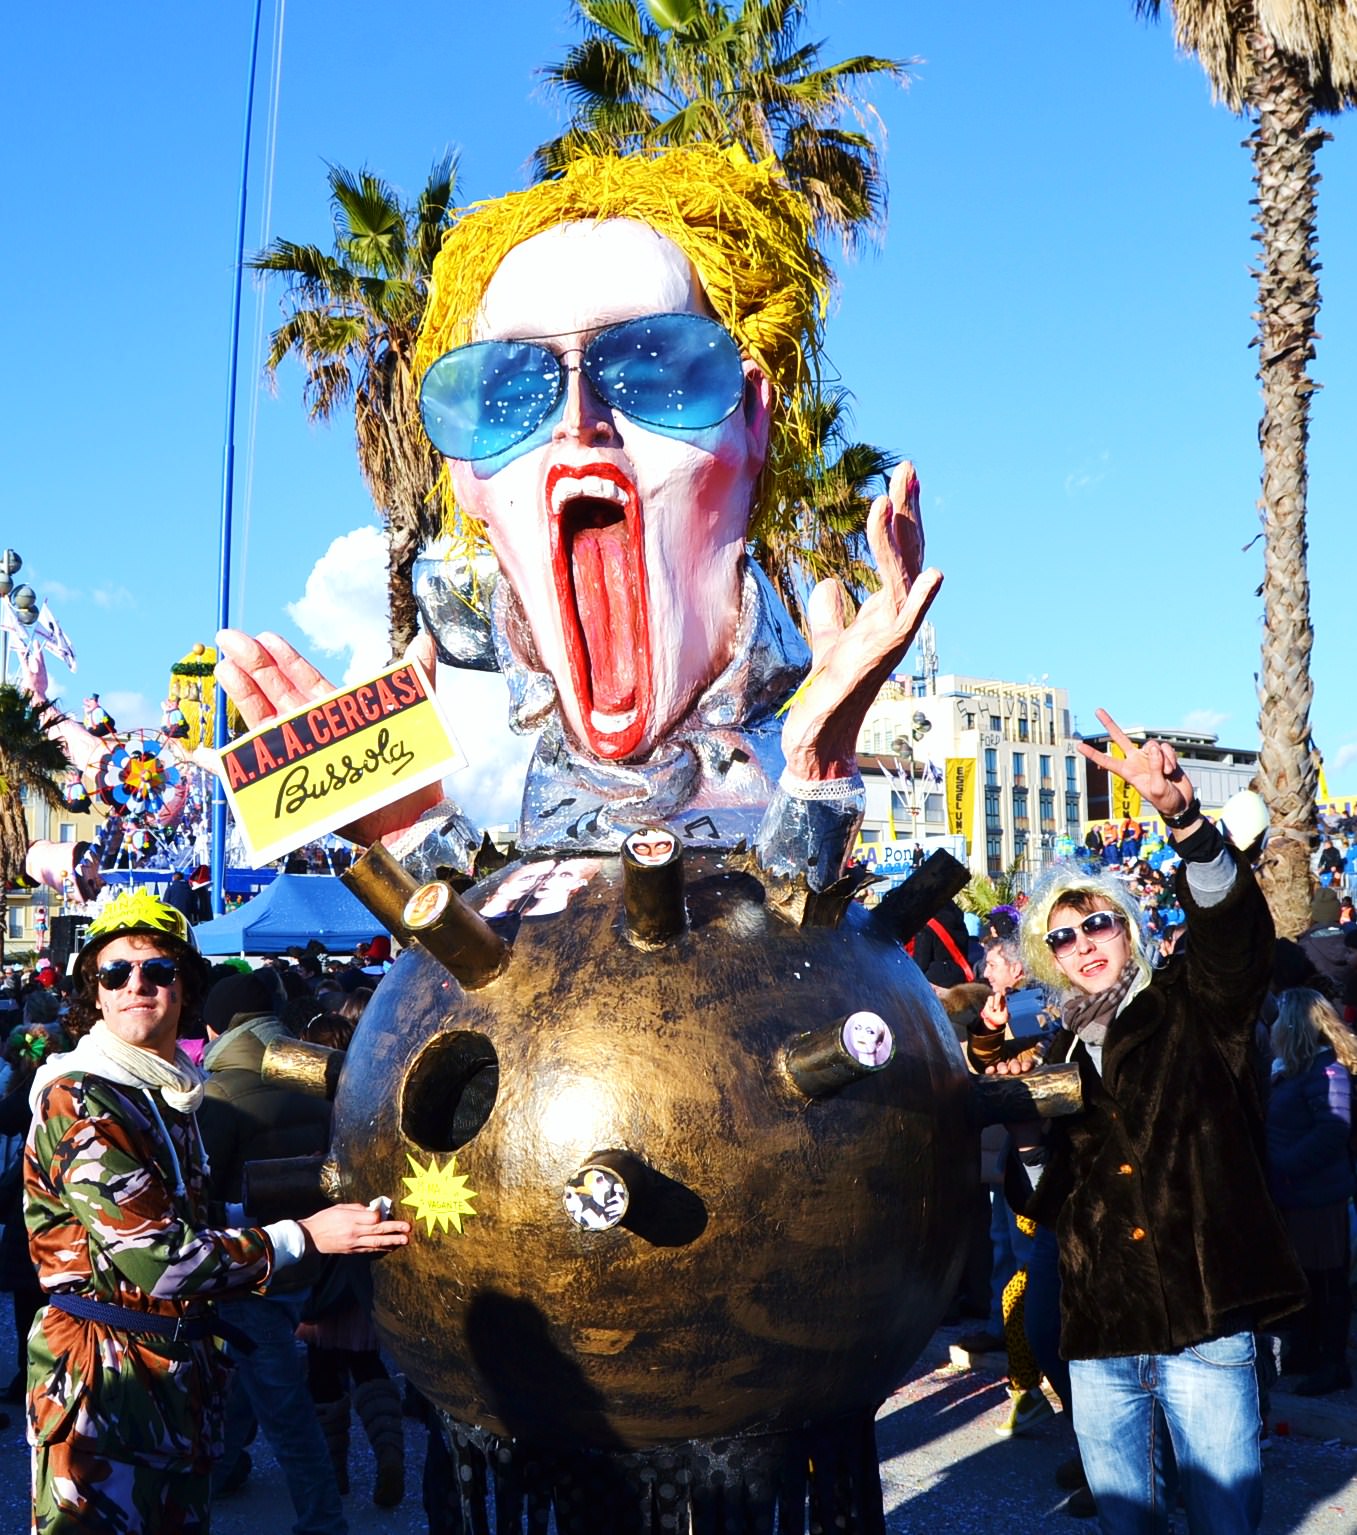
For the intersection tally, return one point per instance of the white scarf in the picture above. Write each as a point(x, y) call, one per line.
point(101, 1053)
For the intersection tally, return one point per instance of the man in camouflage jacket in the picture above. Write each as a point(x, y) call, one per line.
point(124, 1405)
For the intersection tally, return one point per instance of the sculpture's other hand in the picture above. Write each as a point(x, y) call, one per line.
point(850, 660)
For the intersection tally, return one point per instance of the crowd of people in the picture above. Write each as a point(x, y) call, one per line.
point(1175, 936)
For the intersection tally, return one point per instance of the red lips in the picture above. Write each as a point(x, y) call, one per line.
point(598, 566)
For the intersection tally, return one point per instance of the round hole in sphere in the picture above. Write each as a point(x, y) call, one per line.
point(449, 1090)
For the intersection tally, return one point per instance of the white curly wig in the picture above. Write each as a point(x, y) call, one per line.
point(1057, 884)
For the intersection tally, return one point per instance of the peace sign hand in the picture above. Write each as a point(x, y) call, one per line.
point(1152, 769)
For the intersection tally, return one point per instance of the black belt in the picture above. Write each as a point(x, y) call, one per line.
point(186, 1328)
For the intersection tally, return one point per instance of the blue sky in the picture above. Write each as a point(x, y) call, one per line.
point(1055, 328)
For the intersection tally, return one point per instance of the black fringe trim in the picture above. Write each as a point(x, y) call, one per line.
point(822, 1479)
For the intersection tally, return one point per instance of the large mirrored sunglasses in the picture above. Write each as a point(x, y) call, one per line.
point(115, 974)
point(1097, 926)
point(668, 370)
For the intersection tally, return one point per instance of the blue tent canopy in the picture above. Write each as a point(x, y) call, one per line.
point(238, 881)
point(287, 914)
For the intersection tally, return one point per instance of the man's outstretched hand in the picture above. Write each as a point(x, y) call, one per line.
point(850, 660)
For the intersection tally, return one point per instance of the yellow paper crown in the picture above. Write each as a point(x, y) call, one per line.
point(135, 911)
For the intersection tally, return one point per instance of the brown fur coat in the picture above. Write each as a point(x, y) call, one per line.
point(1157, 1189)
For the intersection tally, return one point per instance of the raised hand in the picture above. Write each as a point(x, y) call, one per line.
point(995, 1011)
point(850, 661)
point(265, 677)
point(1152, 769)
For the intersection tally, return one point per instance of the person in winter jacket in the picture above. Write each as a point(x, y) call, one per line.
point(1170, 1249)
point(1331, 949)
point(1309, 1129)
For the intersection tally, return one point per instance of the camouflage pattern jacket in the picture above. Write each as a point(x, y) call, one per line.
point(111, 1217)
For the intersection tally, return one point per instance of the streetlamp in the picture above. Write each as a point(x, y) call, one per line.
point(909, 772)
point(23, 602)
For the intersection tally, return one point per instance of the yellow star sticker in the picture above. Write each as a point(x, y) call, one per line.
point(439, 1195)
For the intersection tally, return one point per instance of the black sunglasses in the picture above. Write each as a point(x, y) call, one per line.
point(1097, 925)
point(160, 972)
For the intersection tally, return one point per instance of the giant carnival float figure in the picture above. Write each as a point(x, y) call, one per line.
point(678, 1232)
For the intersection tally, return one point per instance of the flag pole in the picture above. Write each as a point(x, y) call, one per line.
point(219, 734)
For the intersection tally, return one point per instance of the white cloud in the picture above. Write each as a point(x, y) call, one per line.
point(111, 598)
point(490, 788)
point(1345, 757)
point(1087, 475)
point(343, 610)
point(1204, 721)
point(58, 591)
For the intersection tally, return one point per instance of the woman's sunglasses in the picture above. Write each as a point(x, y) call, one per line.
point(115, 974)
point(668, 370)
point(1097, 926)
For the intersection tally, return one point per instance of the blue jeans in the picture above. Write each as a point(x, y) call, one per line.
point(1041, 1310)
point(272, 1382)
point(1205, 1398)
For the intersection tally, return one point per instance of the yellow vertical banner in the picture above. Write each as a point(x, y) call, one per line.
point(1124, 800)
point(959, 776)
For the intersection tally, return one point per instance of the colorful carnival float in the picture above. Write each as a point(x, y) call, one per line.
point(681, 1127)
point(143, 784)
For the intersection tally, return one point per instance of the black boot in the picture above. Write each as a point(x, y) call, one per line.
point(1332, 1301)
point(378, 1403)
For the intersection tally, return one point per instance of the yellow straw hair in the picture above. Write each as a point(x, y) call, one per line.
point(746, 233)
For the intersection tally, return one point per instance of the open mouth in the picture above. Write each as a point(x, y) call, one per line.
point(598, 564)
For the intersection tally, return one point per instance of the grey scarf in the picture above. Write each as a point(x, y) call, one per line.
point(1089, 1016)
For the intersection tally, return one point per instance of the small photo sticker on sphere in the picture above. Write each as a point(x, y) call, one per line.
point(426, 905)
point(868, 1039)
point(651, 846)
point(595, 1199)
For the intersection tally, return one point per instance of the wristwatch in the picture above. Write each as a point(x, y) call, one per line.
point(1184, 817)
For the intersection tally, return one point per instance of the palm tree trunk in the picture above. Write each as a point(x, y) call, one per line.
point(403, 545)
point(1284, 144)
point(400, 467)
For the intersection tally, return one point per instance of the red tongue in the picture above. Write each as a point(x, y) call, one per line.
point(605, 599)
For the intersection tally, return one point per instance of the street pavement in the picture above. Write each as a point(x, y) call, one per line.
point(944, 1470)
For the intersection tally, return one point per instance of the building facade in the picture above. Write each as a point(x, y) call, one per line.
point(1026, 785)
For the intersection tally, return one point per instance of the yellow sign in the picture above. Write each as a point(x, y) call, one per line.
point(338, 758)
point(959, 776)
point(1125, 800)
point(439, 1196)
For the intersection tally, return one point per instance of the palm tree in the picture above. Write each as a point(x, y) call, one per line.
point(986, 891)
point(1282, 62)
point(352, 317)
point(686, 71)
point(30, 763)
point(819, 532)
